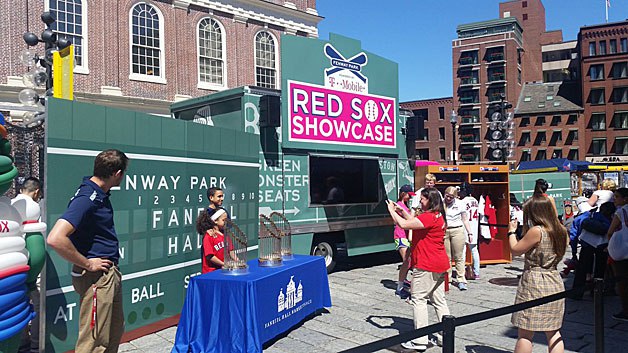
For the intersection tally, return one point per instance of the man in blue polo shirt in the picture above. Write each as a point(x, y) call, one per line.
point(85, 236)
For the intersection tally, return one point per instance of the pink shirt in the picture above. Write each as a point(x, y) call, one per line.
point(400, 232)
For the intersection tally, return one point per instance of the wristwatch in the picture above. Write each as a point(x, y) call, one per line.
point(512, 233)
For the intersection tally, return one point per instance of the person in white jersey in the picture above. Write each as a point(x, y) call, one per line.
point(430, 182)
point(473, 216)
point(456, 215)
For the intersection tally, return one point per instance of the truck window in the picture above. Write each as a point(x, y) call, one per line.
point(343, 180)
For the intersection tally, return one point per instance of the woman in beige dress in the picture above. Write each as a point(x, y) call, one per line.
point(544, 244)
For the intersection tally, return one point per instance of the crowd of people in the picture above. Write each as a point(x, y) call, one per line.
point(435, 231)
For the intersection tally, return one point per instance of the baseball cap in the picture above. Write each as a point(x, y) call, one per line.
point(407, 188)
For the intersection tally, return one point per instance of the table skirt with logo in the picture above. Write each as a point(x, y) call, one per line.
point(239, 313)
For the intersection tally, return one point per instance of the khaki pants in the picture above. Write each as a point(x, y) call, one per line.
point(107, 332)
point(427, 285)
point(455, 247)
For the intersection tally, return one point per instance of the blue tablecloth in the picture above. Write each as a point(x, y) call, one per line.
point(227, 313)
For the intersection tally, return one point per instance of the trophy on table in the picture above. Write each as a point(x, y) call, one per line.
point(269, 243)
point(236, 243)
point(283, 226)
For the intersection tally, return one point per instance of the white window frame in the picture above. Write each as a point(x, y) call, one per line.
point(207, 85)
point(162, 70)
point(276, 50)
point(84, 67)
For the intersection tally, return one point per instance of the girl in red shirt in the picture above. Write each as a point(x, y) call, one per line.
point(211, 224)
point(429, 260)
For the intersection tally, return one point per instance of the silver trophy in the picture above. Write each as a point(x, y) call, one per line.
point(269, 243)
point(236, 244)
point(283, 226)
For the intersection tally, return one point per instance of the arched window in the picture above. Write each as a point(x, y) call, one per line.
point(71, 21)
point(146, 42)
point(211, 62)
point(265, 70)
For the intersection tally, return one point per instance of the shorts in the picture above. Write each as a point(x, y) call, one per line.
point(402, 243)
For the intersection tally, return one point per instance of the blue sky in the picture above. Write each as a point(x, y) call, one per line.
point(417, 34)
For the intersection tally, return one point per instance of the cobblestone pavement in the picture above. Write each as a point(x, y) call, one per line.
point(366, 309)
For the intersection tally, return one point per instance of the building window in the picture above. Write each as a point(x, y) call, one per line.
point(468, 58)
point(620, 120)
point(572, 137)
point(519, 76)
point(527, 98)
point(557, 153)
point(597, 96)
point(603, 47)
point(540, 121)
point(525, 138)
point(623, 42)
point(441, 133)
point(596, 72)
point(572, 119)
point(524, 4)
point(621, 146)
point(620, 95)
point(71, 23)
point(573, 154)
point(540, 138)
point(525, 121)
point(211, 61)
point(591, 48)
point(494, 54)
point(469, 77)
point(443, 154)
point(146, 42)
point(556, 119)
point(265, 70)
point(525, 16)
point(613, 46)
point(525, 156)
point(441, 113)
point(541, 155)
point(426, 136)
point(469, 116)
point(598, 121)
point(421, 113)
point(598, 146)
point(620, 70)
point(556, 137)
point(423, 154)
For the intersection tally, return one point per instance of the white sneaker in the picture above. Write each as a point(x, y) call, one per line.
point(416, 347)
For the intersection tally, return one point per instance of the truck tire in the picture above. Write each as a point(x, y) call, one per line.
point(325, 248)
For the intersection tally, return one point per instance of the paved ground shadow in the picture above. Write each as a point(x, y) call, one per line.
point(347, 263)
point(483, 349)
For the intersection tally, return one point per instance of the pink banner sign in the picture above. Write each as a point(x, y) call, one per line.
point(322, 115)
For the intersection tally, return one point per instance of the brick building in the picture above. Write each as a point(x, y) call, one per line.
point(531, 17)
point(604, 67)
point(548, 122)
point(147, 54)
point(436, 144)
point(487, 63)
point(493, 59)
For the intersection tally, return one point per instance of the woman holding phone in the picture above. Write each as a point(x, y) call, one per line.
point(428, 260)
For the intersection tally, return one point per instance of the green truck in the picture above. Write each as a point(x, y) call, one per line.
point(326, 150)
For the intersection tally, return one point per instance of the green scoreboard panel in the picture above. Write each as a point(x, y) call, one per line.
point(172, 164)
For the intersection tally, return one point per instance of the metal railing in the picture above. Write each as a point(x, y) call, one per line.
point(449, 323)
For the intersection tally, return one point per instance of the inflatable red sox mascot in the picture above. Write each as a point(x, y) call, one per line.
point(22, 253)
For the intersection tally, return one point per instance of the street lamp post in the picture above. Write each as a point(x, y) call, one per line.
point(453, 119)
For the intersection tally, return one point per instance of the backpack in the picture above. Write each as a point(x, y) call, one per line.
point(618, 245)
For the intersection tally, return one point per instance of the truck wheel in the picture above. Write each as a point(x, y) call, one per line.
point(328, 251)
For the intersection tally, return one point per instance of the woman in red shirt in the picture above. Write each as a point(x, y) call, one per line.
point(213, 252)
point(429, 260)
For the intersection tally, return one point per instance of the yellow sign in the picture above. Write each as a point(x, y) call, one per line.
point(63, 73)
